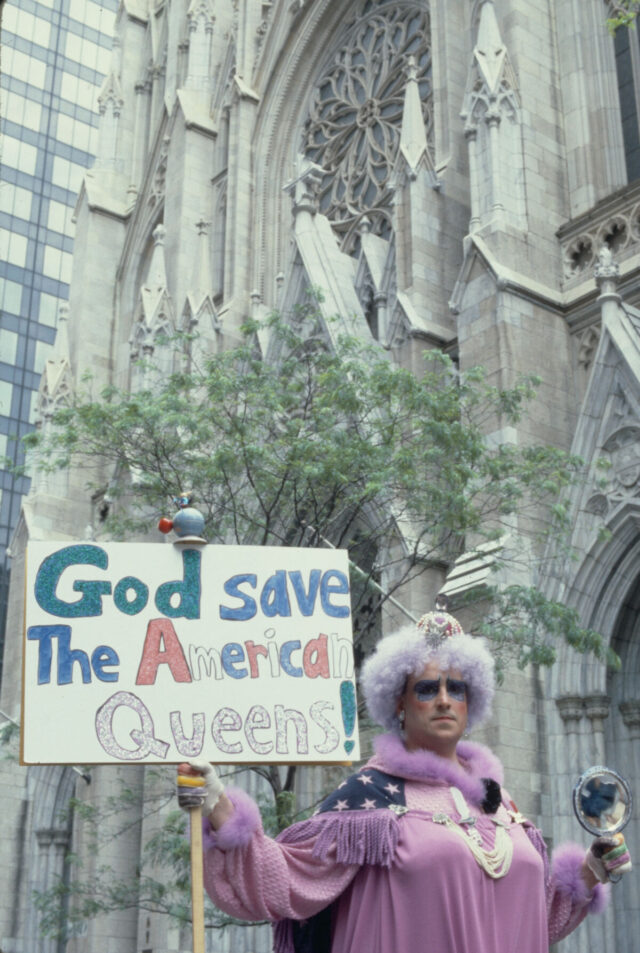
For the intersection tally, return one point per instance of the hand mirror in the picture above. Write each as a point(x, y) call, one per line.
point(602, 801)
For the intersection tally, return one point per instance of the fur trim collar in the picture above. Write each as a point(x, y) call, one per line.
point(476, 762)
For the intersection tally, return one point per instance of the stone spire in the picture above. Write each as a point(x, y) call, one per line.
point(155, 310)
point(110, 103)
point(202, 281)
point(199, 314)
point(413, 135)
point(56, 382)
point(157, 274)
point(201, 19)
point(416, 205)
point(55, 392)
point(249, 17)
point(489, 53)
point(491, 112)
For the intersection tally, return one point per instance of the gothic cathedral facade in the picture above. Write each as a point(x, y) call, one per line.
point(453, 174)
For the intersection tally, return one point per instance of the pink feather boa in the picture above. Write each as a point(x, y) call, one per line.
point(567, 863)
point(477, 762)
point(238, 830)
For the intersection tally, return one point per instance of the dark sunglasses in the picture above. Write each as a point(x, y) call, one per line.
point(427, 689)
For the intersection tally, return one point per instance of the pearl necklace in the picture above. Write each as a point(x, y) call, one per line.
point(495, 862)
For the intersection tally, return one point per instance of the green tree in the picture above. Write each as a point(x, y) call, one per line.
point(85, 894)
point(623, 14)
point(323, 443)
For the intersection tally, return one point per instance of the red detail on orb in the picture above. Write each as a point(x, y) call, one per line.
point(165, 525)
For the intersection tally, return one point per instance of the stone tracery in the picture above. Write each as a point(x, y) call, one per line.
point(615, 225)
point(354, 120)
point(623, 452)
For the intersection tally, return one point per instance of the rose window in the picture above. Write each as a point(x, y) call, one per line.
point(354, 122)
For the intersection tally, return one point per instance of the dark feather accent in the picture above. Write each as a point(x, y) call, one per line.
point(492, 797)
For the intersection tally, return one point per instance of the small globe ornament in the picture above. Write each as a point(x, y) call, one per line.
point(187, 523)
point(438, 624)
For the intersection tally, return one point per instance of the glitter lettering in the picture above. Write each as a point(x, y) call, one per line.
point(143, 737)
point(50, 571)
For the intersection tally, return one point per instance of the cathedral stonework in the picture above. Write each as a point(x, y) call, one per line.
point(355, 117)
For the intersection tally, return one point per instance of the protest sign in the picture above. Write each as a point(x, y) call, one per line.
point(154, 653)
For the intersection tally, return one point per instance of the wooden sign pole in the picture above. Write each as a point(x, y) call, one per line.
point(197, 882)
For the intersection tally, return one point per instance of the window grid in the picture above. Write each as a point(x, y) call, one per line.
point(627, 52)
point(55, 54)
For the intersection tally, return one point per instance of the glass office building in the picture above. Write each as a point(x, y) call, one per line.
point(55, 54)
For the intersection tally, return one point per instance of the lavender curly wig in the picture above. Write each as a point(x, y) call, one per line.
point(406, 652)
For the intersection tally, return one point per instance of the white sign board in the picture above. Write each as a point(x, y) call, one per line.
point(149, 652)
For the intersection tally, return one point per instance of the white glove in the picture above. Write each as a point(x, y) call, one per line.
point(609, 857)
point(201, 786)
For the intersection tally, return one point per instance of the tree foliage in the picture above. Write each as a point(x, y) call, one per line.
point(623, 14)
point(323, 445)
point(162, 882)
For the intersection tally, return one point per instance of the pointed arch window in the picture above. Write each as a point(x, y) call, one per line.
point(627, 50)
point(355, 115)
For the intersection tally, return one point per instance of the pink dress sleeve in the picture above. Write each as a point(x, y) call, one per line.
point(251, 876)
point(569, 899)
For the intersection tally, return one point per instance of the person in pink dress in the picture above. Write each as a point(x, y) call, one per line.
point(421, 851)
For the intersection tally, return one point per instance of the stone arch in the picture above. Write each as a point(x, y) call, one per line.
point(600, 586)
point(622, 728)
point(594, 716)
point(47, 841)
